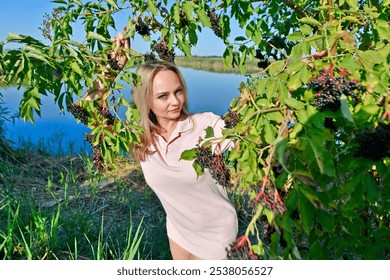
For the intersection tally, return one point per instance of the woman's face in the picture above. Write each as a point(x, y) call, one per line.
point(167, 96)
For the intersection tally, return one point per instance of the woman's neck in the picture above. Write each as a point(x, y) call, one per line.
point(166, 126)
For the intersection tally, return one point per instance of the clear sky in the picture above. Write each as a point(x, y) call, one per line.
point(26, 16)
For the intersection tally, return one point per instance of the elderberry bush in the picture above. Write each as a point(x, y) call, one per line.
point(231, 119)
point(163, 52)
point(106, 114)
point(79, 113)
point(330, 86)
point(142, 28)
point(215, 164)
point(215, 23)
point(374, 143)
point(97, 156)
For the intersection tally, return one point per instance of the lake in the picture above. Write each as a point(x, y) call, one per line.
point(60, 133)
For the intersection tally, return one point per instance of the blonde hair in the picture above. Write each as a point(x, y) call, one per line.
point(141, 96)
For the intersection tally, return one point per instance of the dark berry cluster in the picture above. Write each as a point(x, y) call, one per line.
point(215, 164)
point(241, 250)
point(215, 23)
point(97, 156)
point(79, 113)
point(263, 61)
point(328, 89)
point(231, 119)
point(106, 114)
point(269, 197)
point(142, 28)
point(163, 52)
point(113, 63)
point(149, 57)
point(374, 143)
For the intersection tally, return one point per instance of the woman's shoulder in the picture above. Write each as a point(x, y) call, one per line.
point(205, 116)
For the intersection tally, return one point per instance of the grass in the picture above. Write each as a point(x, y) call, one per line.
point(57, 208)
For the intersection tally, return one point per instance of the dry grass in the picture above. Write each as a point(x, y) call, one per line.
point(115, 195)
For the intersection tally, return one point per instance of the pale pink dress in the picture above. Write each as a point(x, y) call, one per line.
point(200, 217)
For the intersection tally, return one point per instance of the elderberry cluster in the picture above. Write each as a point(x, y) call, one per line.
point(113, 63)
point(106, 114)
point(149, 57)
point(215, 23)
point(268, 197)
point(240, 250)
point(231, 119)
point(374, 143)
point(79, 113)
point(97, 156)
point(215, 164)
point(329, 88)
point(142, 28)
point(263, 61)
point(163, 52)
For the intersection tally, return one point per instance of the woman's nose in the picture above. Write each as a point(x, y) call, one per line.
point(174, 99)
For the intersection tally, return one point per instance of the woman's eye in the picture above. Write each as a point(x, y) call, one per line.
point(161, 96)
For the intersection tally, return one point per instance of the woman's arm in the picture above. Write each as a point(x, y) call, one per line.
point(117, 61)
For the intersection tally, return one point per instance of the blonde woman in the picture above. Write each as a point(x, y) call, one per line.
point(201, 222)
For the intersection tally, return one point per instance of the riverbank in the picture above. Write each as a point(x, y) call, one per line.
point(213, 64)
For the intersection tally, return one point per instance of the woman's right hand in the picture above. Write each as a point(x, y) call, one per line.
point(98, 90)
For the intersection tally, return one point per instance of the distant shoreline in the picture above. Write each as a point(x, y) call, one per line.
point(212, 64)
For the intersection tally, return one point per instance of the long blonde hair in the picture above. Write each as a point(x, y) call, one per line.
point(141, 96)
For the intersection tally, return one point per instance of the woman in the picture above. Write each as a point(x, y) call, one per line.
point(201, 221)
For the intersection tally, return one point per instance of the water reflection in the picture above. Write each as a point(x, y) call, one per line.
point(207, 91)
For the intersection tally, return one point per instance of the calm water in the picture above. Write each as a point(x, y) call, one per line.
point(59, 131)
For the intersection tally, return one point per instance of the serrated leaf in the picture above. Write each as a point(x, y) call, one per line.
point(112, 3)
point(93, 35)
point(203, 18)
point(198, 169)
point(310, 21)
point(152, 7)
point(276, 67)
point(293, 103)
point(296, 36)
point(295, 81)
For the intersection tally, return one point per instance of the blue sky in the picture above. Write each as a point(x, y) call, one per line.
point(26, 16)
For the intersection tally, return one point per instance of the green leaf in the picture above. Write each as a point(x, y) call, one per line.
point(93, 35)
point(372, 192)
point(352, 3)
point(296, 36)
point(295, 81)
point(188, 8)
point(306, 212)
point(113, 3)
point(152, 7)
point(203, 18)
point(310, 21)
point(345, 109)
point(209, 132)
point(276, 67)
point(306, 29)
point(322, 155)
point(293, 103)
point(198, 169)
point(271, 88)
point(188, 154)
point(281, 145)
point(228, 57)
point(176, 14)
